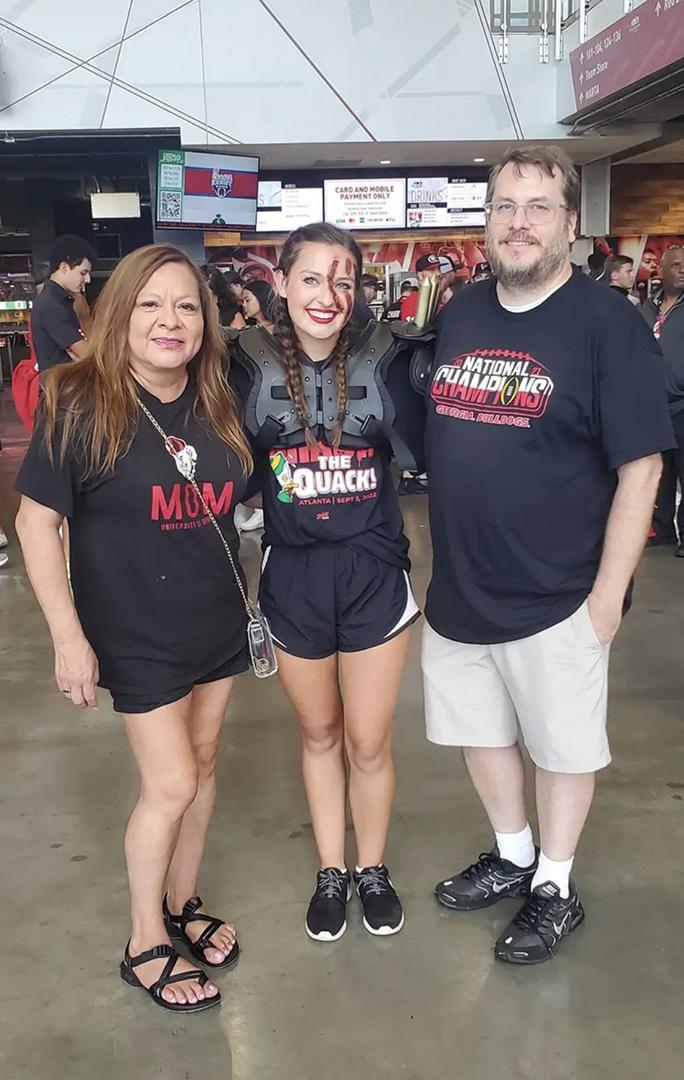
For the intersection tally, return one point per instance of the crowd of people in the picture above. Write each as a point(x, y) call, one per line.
point(537, 404)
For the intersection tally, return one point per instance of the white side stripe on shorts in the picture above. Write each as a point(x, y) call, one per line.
point(410, 610)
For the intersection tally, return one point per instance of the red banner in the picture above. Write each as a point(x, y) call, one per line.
point(639, 44)
point(237, 185)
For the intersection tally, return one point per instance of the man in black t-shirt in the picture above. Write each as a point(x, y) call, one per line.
point(547, 415)
point(55, 329)
point(664, 313)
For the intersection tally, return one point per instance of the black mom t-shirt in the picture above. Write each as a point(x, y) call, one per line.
point(530, 414)
point(152, 583)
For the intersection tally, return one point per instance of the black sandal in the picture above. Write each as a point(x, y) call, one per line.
point(167, 978)
point(176, 924)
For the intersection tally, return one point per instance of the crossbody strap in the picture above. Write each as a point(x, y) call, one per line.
point(187, 470)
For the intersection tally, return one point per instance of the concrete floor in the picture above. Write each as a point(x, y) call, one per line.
point(428, 1003)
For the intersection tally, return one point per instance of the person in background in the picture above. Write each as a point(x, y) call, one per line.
point(4, 557)
point(369, 288)
point(230, 312)
point(596, 262)
point(55, 329)
point(619, 271)
point(393, 311)
point(154, 613)
point(539, 510)
point(257, 304)
point(481, 272)
point(234, 282)
point(664, 313)
point(225, 290)
point(648, 268)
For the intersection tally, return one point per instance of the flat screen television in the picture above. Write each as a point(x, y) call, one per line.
point(284, 207)
point(198, 190)
point(366, 204)
point(442, 202)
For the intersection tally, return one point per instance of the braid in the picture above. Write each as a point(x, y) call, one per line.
point(284, 334)
point(339, 362)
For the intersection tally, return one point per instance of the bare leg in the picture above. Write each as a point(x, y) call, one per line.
point(370, 684)
point(163, 750)
point(313, 689)
point(209, 702)
point(498, 775)
point(563, 803)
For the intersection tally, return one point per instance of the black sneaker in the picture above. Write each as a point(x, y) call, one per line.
point(326, 919)
point(411, 485)
point(536, 930)
point(382, 910)
point(487, 881)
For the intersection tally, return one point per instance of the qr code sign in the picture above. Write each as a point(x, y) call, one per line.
point(170, 206)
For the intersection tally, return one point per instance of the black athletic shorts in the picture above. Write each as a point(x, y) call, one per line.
point(126, 702)
point(324, 600)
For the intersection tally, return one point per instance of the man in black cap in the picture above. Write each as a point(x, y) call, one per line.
point(481, 272)
point(429, 266)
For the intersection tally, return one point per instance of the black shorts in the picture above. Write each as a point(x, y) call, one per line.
point(143, 702)
point(320, 601)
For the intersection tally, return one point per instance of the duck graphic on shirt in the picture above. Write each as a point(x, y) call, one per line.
point(283, 474)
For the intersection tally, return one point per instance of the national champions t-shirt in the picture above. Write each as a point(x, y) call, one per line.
point(152, 583)
point(530, 414)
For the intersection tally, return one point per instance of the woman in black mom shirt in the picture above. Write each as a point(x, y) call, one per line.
point(156, 615)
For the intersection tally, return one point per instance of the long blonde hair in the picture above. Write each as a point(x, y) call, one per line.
point(95, 400)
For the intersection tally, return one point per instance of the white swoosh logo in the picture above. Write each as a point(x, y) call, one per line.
point(563, 923)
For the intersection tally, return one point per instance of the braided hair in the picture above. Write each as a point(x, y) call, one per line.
point(286, 335)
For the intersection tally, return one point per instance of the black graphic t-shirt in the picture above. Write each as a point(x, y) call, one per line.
point(530, 414)
point(328, 496)
point(152, 583)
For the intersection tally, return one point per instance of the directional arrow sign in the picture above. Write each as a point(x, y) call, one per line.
point(641, 43)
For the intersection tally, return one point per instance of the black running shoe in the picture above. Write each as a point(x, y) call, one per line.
point(536, 930)
point(487, 881)
point(326, 919)
point(382, 910)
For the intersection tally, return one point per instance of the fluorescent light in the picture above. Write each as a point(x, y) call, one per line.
point(478, 159)
point(386, 162)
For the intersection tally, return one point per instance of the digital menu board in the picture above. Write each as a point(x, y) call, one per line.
point(439, 202)
point(198, 190)
point(284, 207)
point(366, 204)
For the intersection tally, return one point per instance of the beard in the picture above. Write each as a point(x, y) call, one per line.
point(549, 264)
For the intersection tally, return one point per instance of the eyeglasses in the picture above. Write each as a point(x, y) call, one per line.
point(536, 213)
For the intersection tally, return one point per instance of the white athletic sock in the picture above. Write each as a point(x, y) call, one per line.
point(517, 847)
point(558, 872)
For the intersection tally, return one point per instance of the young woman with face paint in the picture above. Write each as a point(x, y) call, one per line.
point(334, 586)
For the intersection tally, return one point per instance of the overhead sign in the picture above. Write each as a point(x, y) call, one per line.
point(198, 190)
point(366, 204)
point(441, 202)
point(645, 41)
point(284, 207)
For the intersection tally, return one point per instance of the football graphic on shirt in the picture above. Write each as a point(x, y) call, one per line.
point(184, 455)
point(496, 385)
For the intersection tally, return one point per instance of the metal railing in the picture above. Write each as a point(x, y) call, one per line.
point(548, 18)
